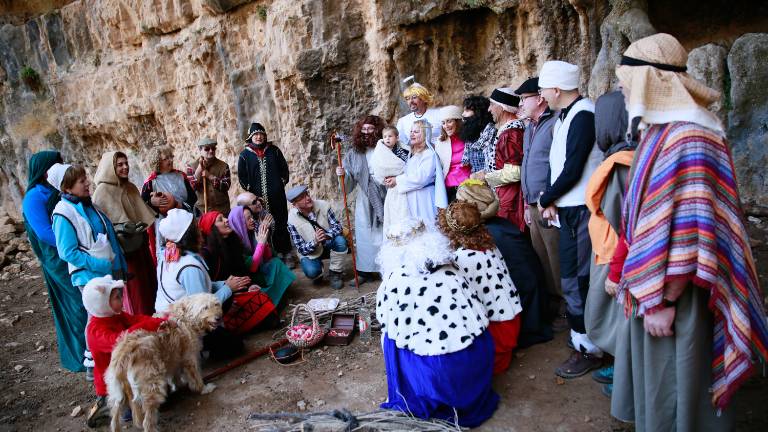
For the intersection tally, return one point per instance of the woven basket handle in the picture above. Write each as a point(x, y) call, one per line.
point(309, 310)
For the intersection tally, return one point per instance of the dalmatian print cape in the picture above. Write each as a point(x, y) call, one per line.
point(487, 275)
point(430, 314)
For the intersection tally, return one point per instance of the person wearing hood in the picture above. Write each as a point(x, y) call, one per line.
point(422, 182)
point(103, 299)
point(69, 315)
point(85, 237)
point(121, 201)
point(603, 318)
point(697, 324)
point(369, 204)
point(263, 171)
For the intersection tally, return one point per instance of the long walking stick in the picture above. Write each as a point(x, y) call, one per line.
point(336, 142)
point(205, 194)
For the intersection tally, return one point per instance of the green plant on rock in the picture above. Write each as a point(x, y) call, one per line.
point(262, 11)
point(30, 77)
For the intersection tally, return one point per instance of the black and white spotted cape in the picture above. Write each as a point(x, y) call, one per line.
point(487, 275)
point(430, 314)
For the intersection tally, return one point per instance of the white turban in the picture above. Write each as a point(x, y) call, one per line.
point(559, 74)
point(175, 224)
point(56, 174)
point(96, 295)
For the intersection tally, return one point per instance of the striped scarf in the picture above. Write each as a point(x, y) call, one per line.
point(683, 220)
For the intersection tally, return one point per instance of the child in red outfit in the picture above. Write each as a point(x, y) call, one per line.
point(103, 299)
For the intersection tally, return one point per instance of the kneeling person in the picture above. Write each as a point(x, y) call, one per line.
point(317, 234)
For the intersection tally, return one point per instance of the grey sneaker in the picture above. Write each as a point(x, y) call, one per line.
point(89, 374)
point(335, 278)
point(97, 413)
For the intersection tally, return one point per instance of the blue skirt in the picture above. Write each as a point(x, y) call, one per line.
point(435, 386)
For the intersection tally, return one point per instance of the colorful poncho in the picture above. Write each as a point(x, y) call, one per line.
point(683, 220)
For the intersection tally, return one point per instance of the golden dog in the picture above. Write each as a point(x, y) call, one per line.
point(145, 363)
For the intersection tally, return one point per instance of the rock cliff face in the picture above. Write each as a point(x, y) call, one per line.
point(90, 76)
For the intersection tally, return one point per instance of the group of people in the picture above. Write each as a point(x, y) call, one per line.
point(114, 258)
point(482, 220)
point(630, 208)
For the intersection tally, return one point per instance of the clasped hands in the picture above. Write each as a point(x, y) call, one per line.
point(241, 283)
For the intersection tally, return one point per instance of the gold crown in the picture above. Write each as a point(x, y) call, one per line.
point(401, 238)
point(452, 224)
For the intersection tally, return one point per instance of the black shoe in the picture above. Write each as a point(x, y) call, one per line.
point(335, 278)
point(97, 413)
point(318, 280)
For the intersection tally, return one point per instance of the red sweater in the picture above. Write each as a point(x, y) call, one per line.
point(509, 150)
point(102, 334)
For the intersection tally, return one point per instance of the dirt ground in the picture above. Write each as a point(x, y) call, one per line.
point(38, 395)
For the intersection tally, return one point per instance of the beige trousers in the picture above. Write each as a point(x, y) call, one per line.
point(546, 242)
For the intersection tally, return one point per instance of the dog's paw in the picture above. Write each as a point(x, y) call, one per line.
point(208, 388)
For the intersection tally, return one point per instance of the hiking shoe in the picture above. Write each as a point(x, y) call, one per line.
point(127, 416)
point(97, 413)
point(608, 390)
point(335, 278)
point(89, 374)
point(603, 375)
point(362, 277)
point(577, 365)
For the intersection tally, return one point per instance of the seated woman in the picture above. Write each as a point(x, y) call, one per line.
point(224, 256)
point(480, 262)
point(522, 262)
point(437, 352)
point(181, 271)
point(422, 181)
point(268, 271)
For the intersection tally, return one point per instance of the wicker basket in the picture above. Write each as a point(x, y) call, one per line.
point(317, 332)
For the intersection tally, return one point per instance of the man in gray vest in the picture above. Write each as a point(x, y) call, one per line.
point(535, 179)
point(573, 158)
point(316, 233)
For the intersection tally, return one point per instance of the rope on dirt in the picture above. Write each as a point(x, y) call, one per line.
point(344, 420)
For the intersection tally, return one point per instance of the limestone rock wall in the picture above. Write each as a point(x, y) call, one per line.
point(128, 74)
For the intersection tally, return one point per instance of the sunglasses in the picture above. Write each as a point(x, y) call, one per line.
point(209, 148)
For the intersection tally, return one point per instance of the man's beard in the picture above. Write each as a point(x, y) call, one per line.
point(472, 128)
point(368, 139)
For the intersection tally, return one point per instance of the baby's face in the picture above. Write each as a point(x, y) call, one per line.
point(390, 138)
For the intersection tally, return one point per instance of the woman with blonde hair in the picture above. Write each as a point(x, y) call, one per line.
point(422, 181)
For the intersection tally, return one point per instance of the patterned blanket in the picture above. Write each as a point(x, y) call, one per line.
point(683, 220)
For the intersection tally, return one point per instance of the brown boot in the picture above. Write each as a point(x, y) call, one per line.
point(577, 365)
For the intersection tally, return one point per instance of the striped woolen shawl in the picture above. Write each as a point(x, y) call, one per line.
point(683, 220)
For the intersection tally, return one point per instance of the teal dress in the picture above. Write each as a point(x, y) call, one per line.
point(69, 315)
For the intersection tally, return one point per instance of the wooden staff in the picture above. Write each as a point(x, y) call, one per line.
point(205, 195)
point(336, 142)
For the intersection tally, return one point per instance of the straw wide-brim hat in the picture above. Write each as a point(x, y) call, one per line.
point(660, 91)
point(480, 194)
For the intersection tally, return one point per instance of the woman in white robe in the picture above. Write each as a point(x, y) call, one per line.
point(422, 180)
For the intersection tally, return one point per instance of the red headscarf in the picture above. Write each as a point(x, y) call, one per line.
point(207, 220)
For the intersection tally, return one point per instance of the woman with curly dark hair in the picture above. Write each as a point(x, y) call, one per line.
point(481, 263)
point(369, 205)
point(477, 132)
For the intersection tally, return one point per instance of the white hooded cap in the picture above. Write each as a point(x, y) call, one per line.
point(56, 174)
point(175, 224)
point(96, 295)
point(559, 74)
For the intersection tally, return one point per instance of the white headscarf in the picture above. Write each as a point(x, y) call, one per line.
point(56, 174)
point(175, 224)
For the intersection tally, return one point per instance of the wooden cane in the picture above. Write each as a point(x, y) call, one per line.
point(336, 142)
point(205, 193)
